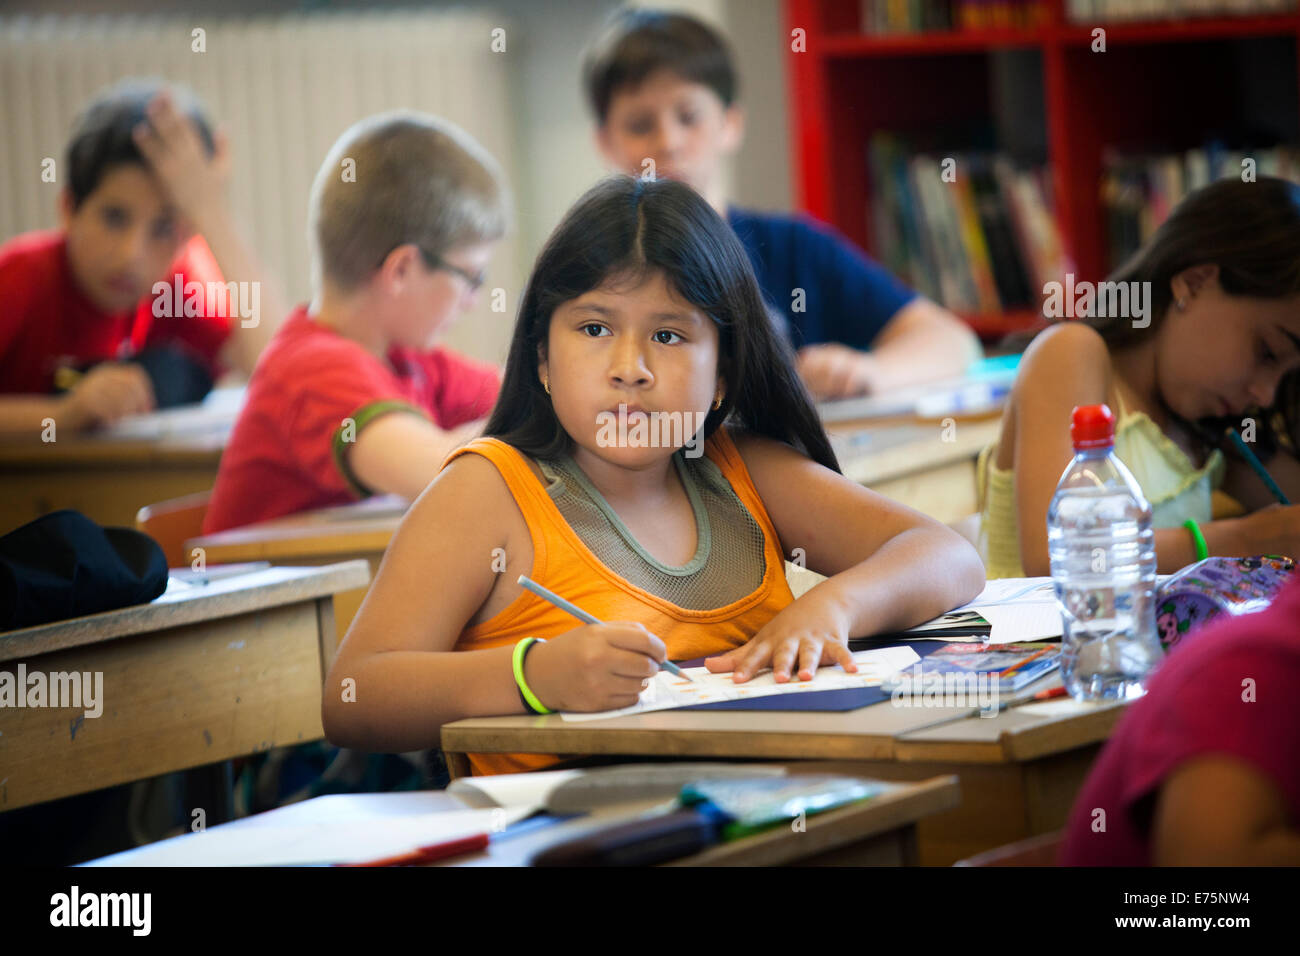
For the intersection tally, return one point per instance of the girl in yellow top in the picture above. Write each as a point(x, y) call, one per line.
point(1223, 334)
point(642, 298)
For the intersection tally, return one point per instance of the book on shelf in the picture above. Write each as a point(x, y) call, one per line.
point(1138, 192)
point(894, 17)
point(1111, 11)
point(981, 241)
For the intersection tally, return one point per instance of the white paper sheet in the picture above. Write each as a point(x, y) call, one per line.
point(1013, 591)
point(1022, 609)
point(666, 691)
point(1013, 623)
point(214, 416)
point(338, 841)
point(512, 789)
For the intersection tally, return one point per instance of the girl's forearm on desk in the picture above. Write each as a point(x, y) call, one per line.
point(915, 576)
point(400, 699)
point(1176, 548)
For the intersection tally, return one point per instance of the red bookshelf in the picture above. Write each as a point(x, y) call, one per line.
point(1159, 85)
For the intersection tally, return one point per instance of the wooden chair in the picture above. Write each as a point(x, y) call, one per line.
point(171, 523)
point(1041, 850)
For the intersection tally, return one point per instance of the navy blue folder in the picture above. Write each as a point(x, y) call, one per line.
point(840, 699)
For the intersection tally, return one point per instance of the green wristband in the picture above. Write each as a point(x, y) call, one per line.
point(1202, 552)
point(530, 699)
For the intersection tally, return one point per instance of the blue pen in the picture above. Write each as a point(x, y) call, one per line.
point(583, 616)
point(1257, 465)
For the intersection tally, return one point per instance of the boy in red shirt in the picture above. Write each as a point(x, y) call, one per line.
point(351, 397)
point(1204, 770)
point(144, 173)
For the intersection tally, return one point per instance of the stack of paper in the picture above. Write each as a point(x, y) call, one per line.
point(1018, 609)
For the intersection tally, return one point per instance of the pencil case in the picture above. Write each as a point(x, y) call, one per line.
point(1203, 591)
point(753, 805)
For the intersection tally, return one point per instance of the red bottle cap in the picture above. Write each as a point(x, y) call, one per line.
point(1092, 426)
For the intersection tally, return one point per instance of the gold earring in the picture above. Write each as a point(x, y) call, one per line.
point(717, 403)
point(546, 384)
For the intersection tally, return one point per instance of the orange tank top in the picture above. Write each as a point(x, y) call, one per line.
point(565, 565)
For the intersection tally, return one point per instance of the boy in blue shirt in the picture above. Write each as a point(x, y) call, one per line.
point(663, 90)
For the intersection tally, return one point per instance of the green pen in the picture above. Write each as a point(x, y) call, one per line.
point(584, 617)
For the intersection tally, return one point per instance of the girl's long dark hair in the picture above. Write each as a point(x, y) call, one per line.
point(628, 228)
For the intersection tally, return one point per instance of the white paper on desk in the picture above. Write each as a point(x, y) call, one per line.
point(304, 844)
point(667, 691)
point(1021, 609)
point(511, 789)
point(215, 415)
point(1013, 591)
point(1012, 623)
point(1018, 609)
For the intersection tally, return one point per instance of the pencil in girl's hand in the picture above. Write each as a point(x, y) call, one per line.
point(583, 616)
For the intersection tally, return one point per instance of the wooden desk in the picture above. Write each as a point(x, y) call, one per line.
point(919, 463)
point(111, 474)
point(198, 676)
point(359, 531)
point(106, 479)
point(880, 831)
point(1019, 771)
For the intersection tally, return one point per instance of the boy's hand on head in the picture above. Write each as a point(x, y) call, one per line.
point(806, 635)
point(594, 667)
point(171, 145)
point(834, 371)
point(107, 392)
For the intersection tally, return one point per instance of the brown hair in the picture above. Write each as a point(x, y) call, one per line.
point(1251, 231)
point(398, 178)
point(638, 42)
point(103, 136)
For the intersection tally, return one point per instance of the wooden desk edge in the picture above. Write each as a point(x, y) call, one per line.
point(552, 735)
point(123, 622)
point(661, 742)
point(305, 544)
point(827, 831)
point(1016, 744)
point(108, 453)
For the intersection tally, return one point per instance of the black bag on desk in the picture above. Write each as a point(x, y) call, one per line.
point(63, 565)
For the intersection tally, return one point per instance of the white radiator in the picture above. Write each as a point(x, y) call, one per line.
point(284, 88)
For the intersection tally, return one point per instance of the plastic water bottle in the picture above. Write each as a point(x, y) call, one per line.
point(1103, 559)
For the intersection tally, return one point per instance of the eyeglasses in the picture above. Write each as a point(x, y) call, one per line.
point(474, 280)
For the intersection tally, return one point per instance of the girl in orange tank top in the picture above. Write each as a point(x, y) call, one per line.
point(641, 332)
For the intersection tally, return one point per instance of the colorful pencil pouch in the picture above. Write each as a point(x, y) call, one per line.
point(1202, 591)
